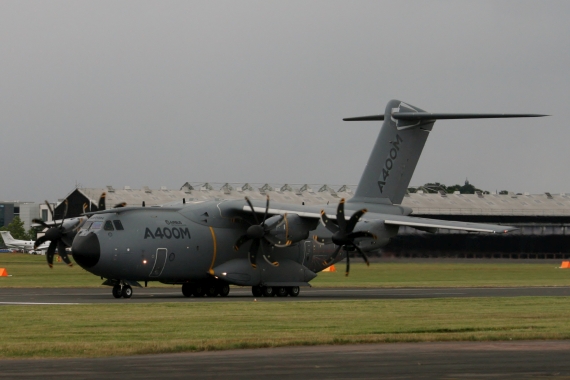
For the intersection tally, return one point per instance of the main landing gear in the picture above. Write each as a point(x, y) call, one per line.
point(207, 288)
point(124, 291)
point(271, 291)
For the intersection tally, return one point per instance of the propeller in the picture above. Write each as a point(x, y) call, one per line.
point(56, 235)
point(343, 235)
point(102, 206)
point(259, 232)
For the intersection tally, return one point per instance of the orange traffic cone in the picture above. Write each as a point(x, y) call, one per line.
point(565, 265)
point(3, 272)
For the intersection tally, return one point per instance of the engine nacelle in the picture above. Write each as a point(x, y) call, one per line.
point(382, 231)
point(293, 229)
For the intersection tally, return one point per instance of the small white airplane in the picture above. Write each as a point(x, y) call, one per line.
point(27, 246)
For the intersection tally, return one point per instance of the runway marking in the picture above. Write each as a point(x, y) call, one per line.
point(39, 303)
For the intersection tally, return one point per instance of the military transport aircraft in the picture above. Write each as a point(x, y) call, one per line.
point(274, 248)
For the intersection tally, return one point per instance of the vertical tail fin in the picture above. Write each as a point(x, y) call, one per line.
point(394, 156)
point(398, 148)
point(7, 237)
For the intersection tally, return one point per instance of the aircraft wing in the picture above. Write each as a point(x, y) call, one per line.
point(424, 224)
point(432, 225)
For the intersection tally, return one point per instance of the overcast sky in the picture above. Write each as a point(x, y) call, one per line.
point(158, 93)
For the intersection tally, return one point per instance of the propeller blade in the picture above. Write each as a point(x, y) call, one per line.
point(362, 234)
point(101, 204)
point(242, 239)
point(320, 240)
point(340, 219)
point(84, 208)
point(50, 252)
point(362, 254)
point(40, 221)
point(62, 253)
point(50, 209)
point(334, 255)
point(40, 241)
point(253, 252)
point(119, 205)
point(65, 208)
point(75, 227)
point(286, 226)
point(354, 219)
point(275, 263)
point(266, 209)
point(329, 224)
point(78, 226)
point(347, 263)
point(252, 210)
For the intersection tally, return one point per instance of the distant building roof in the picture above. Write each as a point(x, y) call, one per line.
point(422, 203)
point(488, 204)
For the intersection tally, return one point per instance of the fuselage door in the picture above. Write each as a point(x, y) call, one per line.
point(159, 262)
point(308, 251)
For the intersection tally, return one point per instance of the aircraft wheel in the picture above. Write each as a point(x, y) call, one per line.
point(281, 291)
point(187, 290)
point(293, 291)
point(224, 290)
point(199, 291)
point(268, 291)
point(127, 291)
point(256, 291)
point(117, 291)
point(212, 290)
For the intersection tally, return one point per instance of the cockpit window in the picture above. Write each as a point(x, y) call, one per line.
point(86, 225)
point(109, 226)
point(118, 225)
point(96, 225)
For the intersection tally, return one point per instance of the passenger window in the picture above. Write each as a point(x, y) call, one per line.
point(108, 226)
point(96, 225)
point(118, 225)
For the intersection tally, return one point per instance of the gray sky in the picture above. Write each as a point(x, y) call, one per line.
point(159, 93)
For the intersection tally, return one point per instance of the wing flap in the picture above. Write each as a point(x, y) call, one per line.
point(427, 224)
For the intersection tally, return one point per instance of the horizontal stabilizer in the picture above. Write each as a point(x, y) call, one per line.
point(423, 116)
point(365, 118)
point(443, 116)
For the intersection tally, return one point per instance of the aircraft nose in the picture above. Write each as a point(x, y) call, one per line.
point(86, 250)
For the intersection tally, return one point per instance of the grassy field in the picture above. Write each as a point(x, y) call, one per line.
point(32, 271)
point(127, 329)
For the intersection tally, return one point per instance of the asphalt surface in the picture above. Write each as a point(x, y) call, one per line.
point(455, 360)
point(38, 296)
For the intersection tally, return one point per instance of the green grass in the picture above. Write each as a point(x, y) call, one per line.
point(445, 274)
point(128, 329)
point(32, 271)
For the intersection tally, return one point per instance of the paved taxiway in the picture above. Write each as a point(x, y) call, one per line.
point(35, 296)
point(446, 360)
